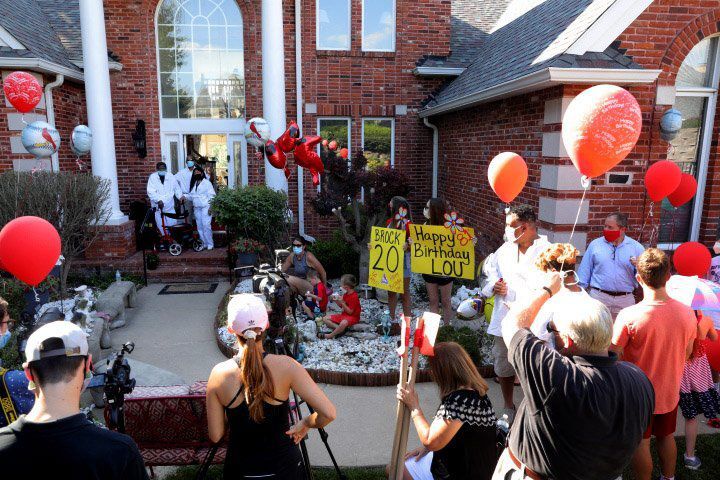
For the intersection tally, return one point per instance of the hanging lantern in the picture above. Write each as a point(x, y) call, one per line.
point(670, 124)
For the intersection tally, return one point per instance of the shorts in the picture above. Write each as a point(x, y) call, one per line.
point(501, 364)
point(420, 470)
point(311, 305)
point(407, 273)
point(344, 316)
point(439, 281)
point(662, 425)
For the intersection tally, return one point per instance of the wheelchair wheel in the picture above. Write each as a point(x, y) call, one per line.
point(175, 249)
point(197, 244)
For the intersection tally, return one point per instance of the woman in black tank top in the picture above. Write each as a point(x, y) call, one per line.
point(248, 396)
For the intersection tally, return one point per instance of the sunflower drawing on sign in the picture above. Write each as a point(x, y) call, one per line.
point(401, 219)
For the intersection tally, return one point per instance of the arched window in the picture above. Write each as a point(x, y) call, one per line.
point(696, 99)
point(200, 59)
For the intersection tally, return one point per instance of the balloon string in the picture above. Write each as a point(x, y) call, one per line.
point(585, 182)
point(37, 295)
point(672, 230)
point(654, 227)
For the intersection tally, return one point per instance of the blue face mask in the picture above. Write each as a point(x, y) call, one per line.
point(161, 173)
point(190, 164)
point(297, 250)
point(4, 339)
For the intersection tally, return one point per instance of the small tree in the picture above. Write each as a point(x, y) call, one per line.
point(341, 189)
point(74, 203)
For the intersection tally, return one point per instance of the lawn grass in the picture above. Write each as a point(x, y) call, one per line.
point(708, 449)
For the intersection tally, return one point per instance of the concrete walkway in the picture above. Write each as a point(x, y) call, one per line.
point(174, 333)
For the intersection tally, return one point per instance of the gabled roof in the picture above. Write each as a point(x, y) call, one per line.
point(533, 36)
point(64, 17)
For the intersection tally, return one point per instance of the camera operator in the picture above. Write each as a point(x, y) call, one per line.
point(250, 394)
point(55, 438)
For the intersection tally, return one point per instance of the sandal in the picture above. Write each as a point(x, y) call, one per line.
point(321, 336)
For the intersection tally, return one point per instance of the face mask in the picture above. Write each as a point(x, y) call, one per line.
point(4, 339)
point(343, 290)
point(611, 235)
point(510, 234)
point(162, 173)
point(297, 250)
point(426, 213)
point(190, 164)
point(572, 280)
point(716, 248)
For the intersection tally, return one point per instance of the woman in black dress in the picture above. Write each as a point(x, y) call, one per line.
point(462, 436)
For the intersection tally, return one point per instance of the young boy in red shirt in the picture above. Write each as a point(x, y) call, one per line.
point(318, 297)
point(350, 305)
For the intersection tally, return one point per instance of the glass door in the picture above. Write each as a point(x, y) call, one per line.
point(173, 152)
point(237, 161)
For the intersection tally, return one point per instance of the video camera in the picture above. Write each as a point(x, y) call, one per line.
point(272, 284)
point(116, 383)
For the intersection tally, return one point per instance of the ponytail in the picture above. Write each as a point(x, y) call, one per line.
point(256, 378)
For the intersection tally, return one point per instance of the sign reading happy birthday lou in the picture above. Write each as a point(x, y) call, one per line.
point(386, 259)
point(437, 250)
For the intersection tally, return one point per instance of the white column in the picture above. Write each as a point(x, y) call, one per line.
point(97, 98)
point(273, 82)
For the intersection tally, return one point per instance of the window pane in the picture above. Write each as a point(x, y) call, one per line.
point(185, 84)
point(173, 157)
point(201, 36)
point(695, 69)
point(237, 147)
point(183, 37)
point(685, 151)
point(235, 40)
point(185, 105)
point(377, 143)
point(167, 84)
point(166, 36)
point(167, 60)
point(217, 38)
point(335, 130)
point(169, 107)
point(378, 25)
point(333, 26)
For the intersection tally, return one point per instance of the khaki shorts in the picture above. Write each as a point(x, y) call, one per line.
point(500, 359)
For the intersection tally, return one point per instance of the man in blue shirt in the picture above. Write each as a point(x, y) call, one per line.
point(607, 270)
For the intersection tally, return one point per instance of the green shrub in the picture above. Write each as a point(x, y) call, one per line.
point(9, 355)
point(468, 338)
point(336, 255)
point(256, 212)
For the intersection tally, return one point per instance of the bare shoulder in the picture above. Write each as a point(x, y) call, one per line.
point(283, 362)
point(223, 369)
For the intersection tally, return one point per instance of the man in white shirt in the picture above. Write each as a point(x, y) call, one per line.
point(183, 178)
point(511, 276)
point(162, 188)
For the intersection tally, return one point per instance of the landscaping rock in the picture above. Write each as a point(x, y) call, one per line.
point(363, 335)
point(362, 327)
point(308, 330)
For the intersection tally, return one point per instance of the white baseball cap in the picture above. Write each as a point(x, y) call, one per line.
point(246, 311)
point(73, 337)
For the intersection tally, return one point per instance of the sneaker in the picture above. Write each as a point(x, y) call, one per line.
point(693, 463)
point(209, 248)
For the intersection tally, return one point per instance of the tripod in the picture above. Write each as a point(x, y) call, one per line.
point(279, 347)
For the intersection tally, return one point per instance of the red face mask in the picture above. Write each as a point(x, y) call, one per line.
point(611, 235)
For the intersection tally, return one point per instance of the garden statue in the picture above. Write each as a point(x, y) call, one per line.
point(386, 323)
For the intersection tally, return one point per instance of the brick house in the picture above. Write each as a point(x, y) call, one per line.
point(445, 84)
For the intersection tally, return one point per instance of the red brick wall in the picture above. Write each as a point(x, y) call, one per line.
point(70, 111)
point(113, 242)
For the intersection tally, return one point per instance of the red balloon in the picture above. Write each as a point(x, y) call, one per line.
point(507, 175)
point(288, 173)
point(22, 91)
point(600, 128)
point(344, 153)
point(684, 192)
point(289, 139)
point(692, 258)
point(661, 179)
point(30, 248)
point(324, 143)
point(306, 156)
point(333, 145)
point(712, 350)
point(275, 156)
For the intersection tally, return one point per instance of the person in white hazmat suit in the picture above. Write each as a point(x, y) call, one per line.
point(162, 188)
point(201, 192)
point(183, 179)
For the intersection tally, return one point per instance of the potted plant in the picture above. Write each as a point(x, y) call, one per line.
point(152, 260)
point(247, 251)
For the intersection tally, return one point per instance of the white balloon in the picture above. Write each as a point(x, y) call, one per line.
point(81, 140)
point(257, 132)
point(40, 139)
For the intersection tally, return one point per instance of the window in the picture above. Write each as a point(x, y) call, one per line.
point(378, 136)
point(333, 24)
point(378, 25)
point(696, 99)
point(200, 59)
point(337, 129)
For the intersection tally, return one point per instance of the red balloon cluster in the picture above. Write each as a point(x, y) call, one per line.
point(303, 149)
point(343, 153)
point(662, 179)
point(684, 192)
point(507, 175)
point(22, 91)
point(692, 258)
point(307, 157)
point(29, 249)
point(600, 128)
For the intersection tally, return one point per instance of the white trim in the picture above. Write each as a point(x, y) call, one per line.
point(50, 111)
point(436, 141)
point(42, 66)
point(317, 28)
point(438, 71)
point(696, 91)
point(392, 135)
point(613, 22)
point(545, 78)
point(362, 30)
point(8, 39)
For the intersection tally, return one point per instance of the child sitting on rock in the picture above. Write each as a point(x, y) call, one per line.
point(350, 305)
point(318, 298)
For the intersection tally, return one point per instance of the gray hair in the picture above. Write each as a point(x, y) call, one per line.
point(586, 321)
point(620, 218)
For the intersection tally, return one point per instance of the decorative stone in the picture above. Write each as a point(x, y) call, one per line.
point(362, 327)
point(363, 335)
point(308, 330)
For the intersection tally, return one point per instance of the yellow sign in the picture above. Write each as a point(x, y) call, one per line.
point(386, 259)
point(438, 250)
